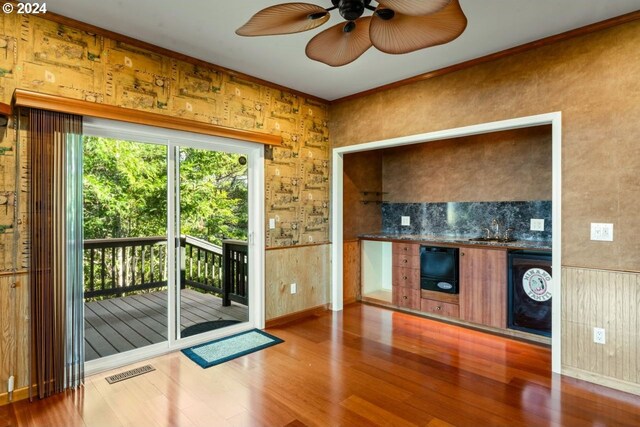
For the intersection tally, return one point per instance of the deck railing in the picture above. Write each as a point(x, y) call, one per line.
point(121, 266)
point(114, 267)
point(236, 272)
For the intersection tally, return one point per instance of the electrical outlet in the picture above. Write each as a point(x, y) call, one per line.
point(272, 223)
point(602, 232)
point(598, 336)
point(537, 224)
point(294, 288)
point(405, 220)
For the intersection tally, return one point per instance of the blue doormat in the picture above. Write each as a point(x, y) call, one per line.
point(224, 349)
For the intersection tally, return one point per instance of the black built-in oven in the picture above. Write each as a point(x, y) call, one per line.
point(439, 269)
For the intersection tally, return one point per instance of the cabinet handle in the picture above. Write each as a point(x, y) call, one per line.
point(404, 278)
point(406, 248)
point(405, 297)
point(438, 308)
point(405, 261)
point(461, 253)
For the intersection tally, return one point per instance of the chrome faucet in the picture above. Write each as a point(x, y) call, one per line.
point(507, 233)
point(487, 233)
point(495, 224)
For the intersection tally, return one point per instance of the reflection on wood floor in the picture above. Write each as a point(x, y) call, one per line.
point(363, 366)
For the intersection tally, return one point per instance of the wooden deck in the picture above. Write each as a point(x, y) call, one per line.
point(121, 324)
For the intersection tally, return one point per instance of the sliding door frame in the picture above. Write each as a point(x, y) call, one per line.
point(172, 139)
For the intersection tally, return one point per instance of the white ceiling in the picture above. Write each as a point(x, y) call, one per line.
point(205, 29)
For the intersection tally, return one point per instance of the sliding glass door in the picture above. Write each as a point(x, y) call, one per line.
point(167, 222)
point(125, 246)
point(212, 222)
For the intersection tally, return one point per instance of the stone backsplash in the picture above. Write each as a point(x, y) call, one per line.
point(468, 219)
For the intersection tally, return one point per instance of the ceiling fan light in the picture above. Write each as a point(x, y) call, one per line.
point(385, 14)
point(317, 15)
point(349, 26)
point(351, 9)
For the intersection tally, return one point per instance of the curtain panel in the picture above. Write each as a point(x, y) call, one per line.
point(55, 225)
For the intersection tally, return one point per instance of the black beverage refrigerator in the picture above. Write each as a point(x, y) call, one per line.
point(529, 292)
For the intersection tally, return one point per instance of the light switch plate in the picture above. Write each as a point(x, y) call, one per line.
point(272, 223)
point(537, 224)
point(602, 232)
point(405, 220)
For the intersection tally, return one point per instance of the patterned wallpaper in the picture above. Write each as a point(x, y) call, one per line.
point(40, 55)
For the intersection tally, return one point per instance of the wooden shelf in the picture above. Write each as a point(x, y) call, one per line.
point(381, 295)
point(376, 197)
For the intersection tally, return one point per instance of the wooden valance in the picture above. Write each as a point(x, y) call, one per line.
point(25, 98)
point(5, 112)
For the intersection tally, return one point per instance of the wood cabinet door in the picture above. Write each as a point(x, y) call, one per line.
point(406, 261)
point(406, 277)
point(406, 248)
point(440, 308)
point(483, 286)
point(406, 297)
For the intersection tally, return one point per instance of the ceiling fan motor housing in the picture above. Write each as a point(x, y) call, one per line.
point(351, 9)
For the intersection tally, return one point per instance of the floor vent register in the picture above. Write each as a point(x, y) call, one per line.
point(129, 374)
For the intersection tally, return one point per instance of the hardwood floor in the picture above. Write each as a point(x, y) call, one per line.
point(363, 366)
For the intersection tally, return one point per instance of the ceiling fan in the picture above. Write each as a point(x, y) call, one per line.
point(396, 26)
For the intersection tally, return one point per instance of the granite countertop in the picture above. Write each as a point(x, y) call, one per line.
point(517, 244)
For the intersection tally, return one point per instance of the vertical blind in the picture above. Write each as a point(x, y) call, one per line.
point(55, 226)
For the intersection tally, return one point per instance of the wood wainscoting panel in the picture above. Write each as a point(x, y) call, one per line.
point(14, 336)
point(604, 299)
point(309, 267)
point(351, 272)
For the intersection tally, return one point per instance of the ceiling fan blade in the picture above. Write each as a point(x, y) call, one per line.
point(414, 7)
point(338, 46)
point(397, 33)
point(284, 18)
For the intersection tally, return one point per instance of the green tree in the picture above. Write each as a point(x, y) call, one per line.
point(125, 191)
point(125, 187)
point(213, 195)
